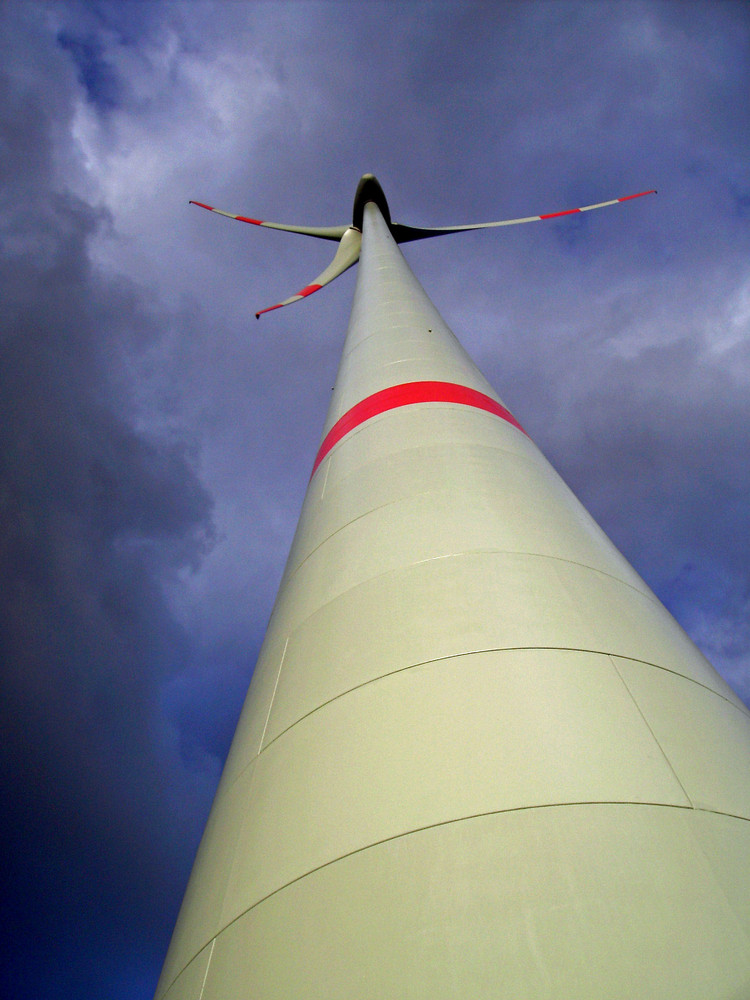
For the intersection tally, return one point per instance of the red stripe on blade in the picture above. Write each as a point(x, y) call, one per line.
point(201, 205)
point(640, 194)
point(555, 215)
point(244, 218)
point(307, 290)
point(269, 309)
point(405, 395)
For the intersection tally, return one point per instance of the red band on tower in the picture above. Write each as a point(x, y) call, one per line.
point(405, 395)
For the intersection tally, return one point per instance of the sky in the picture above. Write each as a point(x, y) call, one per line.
point(156, 440)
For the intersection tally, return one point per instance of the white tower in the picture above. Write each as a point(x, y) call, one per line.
point(478, 758)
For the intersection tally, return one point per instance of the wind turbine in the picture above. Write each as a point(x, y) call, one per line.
point(478, 757)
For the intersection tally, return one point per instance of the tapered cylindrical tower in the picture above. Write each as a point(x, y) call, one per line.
point(478, 758)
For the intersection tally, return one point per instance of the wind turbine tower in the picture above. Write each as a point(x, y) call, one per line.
point(478, 758)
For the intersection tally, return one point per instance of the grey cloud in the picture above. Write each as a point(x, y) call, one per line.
point(98, 515)
point(156, 440)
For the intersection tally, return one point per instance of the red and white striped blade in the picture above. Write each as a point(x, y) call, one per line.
point(321, 232)
point(405, 234)
point(346, 255)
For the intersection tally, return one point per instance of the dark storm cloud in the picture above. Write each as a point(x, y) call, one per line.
point(96, 518)
point(676, 491)
point(94, 72)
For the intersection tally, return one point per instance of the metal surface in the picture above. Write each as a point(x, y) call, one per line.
point(478, 758)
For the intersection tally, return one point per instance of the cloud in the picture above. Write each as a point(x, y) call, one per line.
point(99, 516)
point(155, 441)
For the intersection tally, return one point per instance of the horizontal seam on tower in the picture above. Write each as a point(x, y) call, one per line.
point(409, 318)
point(449, 555)
point(503, 451)
point(464, 819)
point(468, 552)
point(477, 652)
point(372, 510)
point(390, 503)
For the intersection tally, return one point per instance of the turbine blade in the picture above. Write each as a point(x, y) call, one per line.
point(346, 255)
point(405, 234)
point(321, 232)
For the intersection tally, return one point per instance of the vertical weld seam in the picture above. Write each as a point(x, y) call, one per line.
point(653, 734)
point(325, 478)
point(273, 696)
point(208, 966)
